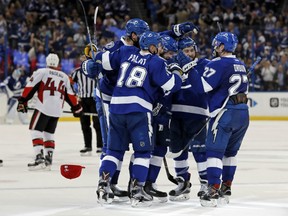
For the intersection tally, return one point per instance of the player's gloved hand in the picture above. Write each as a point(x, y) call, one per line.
point(77, 110)
point(175, 68)
point(22, 106)
point(185, 62)
point(183, 28)
point(91, 68)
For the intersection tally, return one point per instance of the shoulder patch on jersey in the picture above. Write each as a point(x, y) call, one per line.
point(109, 45)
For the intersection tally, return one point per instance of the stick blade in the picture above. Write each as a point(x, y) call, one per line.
point(95, 15)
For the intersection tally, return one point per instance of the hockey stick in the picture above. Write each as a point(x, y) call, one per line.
point(91, 48)
point(95, 27)
point(219, 26)
point(169, 176)
point(251, 69)
point(177, 154)
point(66, 111)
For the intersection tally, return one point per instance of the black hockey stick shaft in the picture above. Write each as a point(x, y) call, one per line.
point(66, 111)
point(169, 175)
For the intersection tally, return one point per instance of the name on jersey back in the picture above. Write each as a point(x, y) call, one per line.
point(134, 58)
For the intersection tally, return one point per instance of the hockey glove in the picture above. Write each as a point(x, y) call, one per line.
point(77, 110)
point(22, 106)
point(185, 62)
point(180, 29)
point(175, 68)
point(91, 68)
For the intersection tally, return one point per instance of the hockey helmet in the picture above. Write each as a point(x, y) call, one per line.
point(228, 39)
point(136, 25)
point(70, 171)
point(149, 38)
point(168, 43)
point(52, 60)
point(187, 42)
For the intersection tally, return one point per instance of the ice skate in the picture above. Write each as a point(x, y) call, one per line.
point(210, 198)
point(203, 187)
point(104, 192)
point(48, 160)
point(119, 194)
point(225, 193)
point(38, 164)
point(86, 151)
point(182, 191)
point(151, 189)
point(139, 198)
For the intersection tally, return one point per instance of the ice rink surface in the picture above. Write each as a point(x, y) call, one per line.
point(260, 187)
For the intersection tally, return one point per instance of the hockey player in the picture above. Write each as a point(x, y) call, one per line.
point(226, 81)
point(141, 74)
point(13, 86)
point(161, 125)
point(85, 88)
point(134, 29)
point(53, 88)
point(189, 114)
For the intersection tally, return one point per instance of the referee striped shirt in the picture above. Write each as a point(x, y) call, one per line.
point(85, 84)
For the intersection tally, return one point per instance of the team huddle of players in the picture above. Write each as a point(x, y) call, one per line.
point(154, 94)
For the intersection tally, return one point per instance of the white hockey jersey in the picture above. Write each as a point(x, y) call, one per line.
point(53, 87)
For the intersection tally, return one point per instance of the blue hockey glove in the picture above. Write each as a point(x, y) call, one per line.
point(90, 68)
point(183, 28)
point(185, 62)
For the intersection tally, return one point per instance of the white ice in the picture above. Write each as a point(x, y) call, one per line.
point(260, 186)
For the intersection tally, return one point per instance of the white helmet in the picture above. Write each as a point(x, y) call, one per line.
point(52, 60)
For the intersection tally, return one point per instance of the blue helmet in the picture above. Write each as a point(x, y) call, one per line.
point(187, 42)
point(229, 40)
point(149, 38)
point(136, 25)
point(168, 43)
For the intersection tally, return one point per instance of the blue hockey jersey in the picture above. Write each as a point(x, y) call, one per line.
point(188, 102)
point(140, 76)
point(222, 78)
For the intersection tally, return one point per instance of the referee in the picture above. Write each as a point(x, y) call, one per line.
point(84, 88)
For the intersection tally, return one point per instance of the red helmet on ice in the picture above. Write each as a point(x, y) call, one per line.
point(71, 171)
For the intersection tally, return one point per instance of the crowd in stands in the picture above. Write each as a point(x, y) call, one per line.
point(33, 28)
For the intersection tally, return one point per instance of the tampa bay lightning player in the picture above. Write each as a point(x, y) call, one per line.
point(134, 29)
point(189, 114)
point(13, 86)
point(141, 74)
point(161, 124)
point(225, 80)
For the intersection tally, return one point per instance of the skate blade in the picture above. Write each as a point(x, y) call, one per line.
point(102, 198)
point(121, 199)
point(160, 199)
point(86, 154)
point(40, 167)
point(181, 197)
point(207, 203)
point(135, 203)
point(223, 201)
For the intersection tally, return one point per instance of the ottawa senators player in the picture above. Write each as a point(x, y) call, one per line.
point(53, 88)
